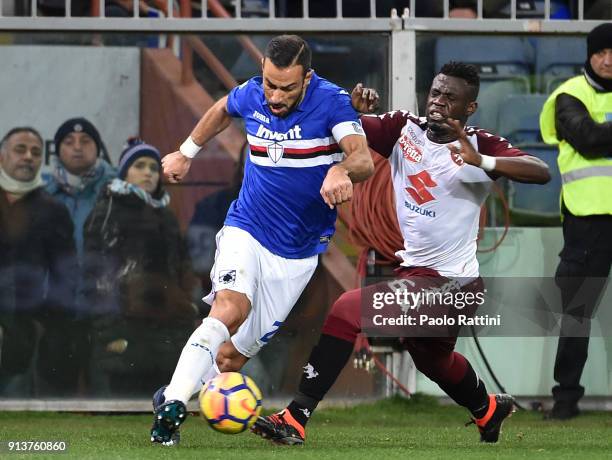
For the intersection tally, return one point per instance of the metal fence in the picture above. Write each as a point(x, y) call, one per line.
point(214, 16)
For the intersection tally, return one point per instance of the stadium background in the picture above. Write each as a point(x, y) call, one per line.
point(155, 76)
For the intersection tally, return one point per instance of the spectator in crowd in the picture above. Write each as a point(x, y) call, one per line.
point(598, 9)
point(138, 279)
point(79, 171)
point(465, 9)
point(58, 8)
point(125, 8)
point(36, 268)
point(578, 117)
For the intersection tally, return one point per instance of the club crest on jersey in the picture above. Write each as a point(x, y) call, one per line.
point(457, 158)
point(227, 277)
point(275, 151)
point(409, 149)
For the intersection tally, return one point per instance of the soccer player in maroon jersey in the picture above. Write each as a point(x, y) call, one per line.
point(442, 171)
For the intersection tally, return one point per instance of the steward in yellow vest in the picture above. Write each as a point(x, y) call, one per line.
point(578, 117)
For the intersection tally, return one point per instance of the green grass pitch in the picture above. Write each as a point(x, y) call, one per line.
point(389, 429)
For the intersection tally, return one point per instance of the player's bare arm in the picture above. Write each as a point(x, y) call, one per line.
point(176, 164)
point(337, 186)
point(525, 169)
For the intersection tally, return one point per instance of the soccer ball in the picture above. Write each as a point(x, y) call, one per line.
point(230, 403)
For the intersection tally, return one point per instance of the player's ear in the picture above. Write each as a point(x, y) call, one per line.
point(471, 108)
point(263, 61)
point(308, 76)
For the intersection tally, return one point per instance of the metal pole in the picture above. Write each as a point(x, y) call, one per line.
point(102, 8)
point(412, 8)
point(512, 9)
point(204, 8)
point(446, 9)
point(546, 9)
point(68, 8)
point(238, 4)
point(479, 9)
point(187, 76)
point(305, 9)
point(581, 9)
point(33, 8)
point(338, 8)
point(402, 72)
point(170, 8)
point(372, 8)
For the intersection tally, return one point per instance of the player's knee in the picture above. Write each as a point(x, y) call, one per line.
point(231, 308)
point(343, 320)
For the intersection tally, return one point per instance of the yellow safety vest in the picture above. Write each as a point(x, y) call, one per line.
point(587, 183)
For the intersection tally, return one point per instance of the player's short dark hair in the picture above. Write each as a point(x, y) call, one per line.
point(289, 50)
point(467, 72)
point(21, 129)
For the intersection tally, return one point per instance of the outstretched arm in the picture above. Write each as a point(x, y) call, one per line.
point(176, 164)
point(524, 168)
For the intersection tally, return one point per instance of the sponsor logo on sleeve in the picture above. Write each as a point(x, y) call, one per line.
point(357, 127)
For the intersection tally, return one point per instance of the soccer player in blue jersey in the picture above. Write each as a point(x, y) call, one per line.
point(307, 148)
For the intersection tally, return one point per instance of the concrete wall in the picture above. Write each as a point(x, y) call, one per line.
point(42, 86)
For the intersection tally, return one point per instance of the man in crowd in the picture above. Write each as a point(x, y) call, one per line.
point(37, 266)
point(79, 169)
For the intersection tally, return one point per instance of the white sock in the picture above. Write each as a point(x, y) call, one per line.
point(211, 374)
point(197, 359)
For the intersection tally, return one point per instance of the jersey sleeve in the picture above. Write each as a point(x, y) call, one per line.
point(384, 130)
point(496, 146)
point(237, 99)
point(344, 120)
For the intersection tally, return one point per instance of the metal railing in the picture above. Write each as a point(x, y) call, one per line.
point(213, 17)
point(97, 8)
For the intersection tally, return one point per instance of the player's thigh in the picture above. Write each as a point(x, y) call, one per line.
point(234, 276)
point(282, 283)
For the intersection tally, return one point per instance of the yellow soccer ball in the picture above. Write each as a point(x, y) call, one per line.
point(231, 402)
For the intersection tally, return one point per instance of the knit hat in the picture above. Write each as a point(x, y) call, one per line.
point(134, 149)
point(599, 38)
point(77, 125)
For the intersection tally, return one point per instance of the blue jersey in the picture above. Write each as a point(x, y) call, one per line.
point(279, 202)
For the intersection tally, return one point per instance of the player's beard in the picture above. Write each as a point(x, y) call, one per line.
point(293, 106)
point(438, 131)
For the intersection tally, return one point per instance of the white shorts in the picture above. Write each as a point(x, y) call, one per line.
point(272, 283)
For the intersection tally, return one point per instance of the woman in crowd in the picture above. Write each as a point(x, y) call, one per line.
point(139, 279)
